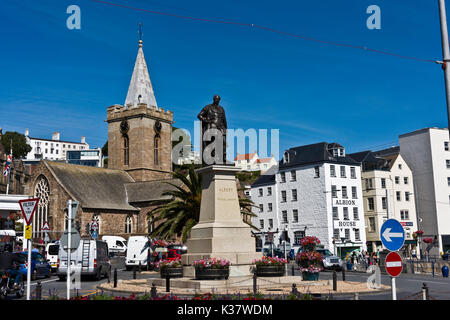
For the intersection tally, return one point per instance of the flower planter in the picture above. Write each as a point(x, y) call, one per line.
point(172, 272)
point(270, 270)
point(310, 276)
point(212, 274)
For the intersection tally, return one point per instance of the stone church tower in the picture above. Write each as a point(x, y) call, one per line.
point(139, 133)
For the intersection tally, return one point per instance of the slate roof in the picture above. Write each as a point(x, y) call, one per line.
point(268, 177)
point(377, 160)
point(94, 188)
point(150, 190)
point(314, 153)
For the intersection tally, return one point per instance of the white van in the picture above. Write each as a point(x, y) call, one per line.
point(116, 244)
point(138, 251)
point(91, 258)
point(51, 253)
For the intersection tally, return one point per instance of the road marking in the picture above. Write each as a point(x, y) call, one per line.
point(35, 283)
point(426, 281)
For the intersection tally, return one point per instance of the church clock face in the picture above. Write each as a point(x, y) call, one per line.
point(158, 126)
point(124, 126)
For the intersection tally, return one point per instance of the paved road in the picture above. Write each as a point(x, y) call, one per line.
point(54, 286)
point(407, 284)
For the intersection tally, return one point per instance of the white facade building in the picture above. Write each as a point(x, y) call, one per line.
point(315, 192)
point(54, 149)
point(251, 162)
point(89, 157)
point(427, 153)
point(388, 187)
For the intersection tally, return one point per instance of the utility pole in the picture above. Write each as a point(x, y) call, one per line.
point(445, 54)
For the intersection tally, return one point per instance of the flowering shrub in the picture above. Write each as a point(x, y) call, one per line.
point(212, 263)
point(270, 261)
point(428, 240)
point(310, 261)
point(419, 232)
point(163, 264)
point(309, 243)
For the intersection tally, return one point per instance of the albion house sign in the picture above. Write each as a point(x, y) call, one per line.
point(345, 202)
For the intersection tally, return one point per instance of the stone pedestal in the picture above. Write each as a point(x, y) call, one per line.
point(220, 233)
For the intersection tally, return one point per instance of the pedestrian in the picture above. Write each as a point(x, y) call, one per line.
point(374, 257)
point(413, 254)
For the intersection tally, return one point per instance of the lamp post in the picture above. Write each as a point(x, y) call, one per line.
point(285, 253)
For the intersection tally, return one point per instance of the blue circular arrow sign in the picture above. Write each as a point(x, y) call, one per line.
point(392, 235)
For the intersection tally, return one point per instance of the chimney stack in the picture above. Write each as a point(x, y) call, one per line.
point(26, 132)
point(83, 139)
point(55, 136)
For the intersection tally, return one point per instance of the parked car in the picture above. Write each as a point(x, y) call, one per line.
point(91, 257)
point(51, 253)
point(446, 255)
point(116, 244)
point(276, 252)
point(181, 248)
point(40, 268)
point(329, 260)
point(138, 251)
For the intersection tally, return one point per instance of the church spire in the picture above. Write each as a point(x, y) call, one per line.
point(140, 89)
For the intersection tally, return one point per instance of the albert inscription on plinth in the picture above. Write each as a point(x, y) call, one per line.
point(221, 233)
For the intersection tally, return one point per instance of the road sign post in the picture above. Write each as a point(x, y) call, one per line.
point(394, 267)
point(71, 213)
point(28, 208)
point(392, 236)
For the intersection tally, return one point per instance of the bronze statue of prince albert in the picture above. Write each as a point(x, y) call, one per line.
point(212, 116)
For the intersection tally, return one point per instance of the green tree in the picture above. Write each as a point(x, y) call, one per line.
point(182, 212)
point(19, 144)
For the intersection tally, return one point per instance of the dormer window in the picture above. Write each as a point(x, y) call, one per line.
point(286, 157)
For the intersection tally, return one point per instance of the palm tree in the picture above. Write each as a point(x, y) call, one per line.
point(182, 212)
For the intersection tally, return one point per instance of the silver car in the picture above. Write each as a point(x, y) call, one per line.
point(330, 261)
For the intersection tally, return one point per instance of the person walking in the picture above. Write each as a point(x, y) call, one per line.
point(374, 257)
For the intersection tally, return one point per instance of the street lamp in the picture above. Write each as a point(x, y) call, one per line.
point(285, 253)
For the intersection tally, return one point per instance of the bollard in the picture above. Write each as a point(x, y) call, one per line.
point(153, 291)
point(294, 289)
point(254, 282)
point(38, 291)
point(343, 274)
point(432, 267)
point(139, 267)
point(293, 270)
point(425, 292)
point(356, 296)
point(334, 280)
point(115, 277)
point(134, 272)
point(167, 284)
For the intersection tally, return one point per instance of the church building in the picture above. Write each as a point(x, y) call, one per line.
point(139, 162)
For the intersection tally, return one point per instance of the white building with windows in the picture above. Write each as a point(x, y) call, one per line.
point(317, 193)
point(387, 183)
point(251, 162)
point(427, 153)
point(264, 195)
point(51, 149)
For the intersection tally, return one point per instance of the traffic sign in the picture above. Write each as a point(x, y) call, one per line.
point(94, 234)
point(28, 231)
point(392, 235)
point(45, 227)
point(74, 240)
point(393, 264)
point(28, 207)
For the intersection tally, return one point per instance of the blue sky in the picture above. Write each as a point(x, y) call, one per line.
point(56, 79)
